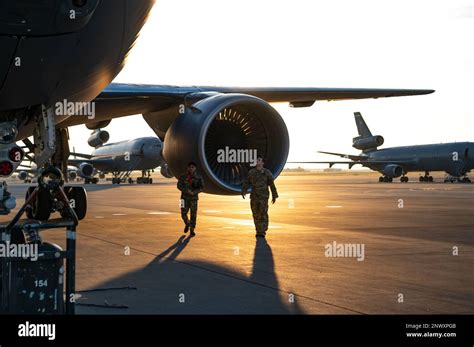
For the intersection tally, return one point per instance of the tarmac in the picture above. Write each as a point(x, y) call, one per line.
point(417, 241)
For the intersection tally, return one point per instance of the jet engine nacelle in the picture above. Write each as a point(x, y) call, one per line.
point(23, 175)
point(165, 171)
point(98, 138)
point(223, 134)
point(85, 170)
point(393, 171)
point(364, 143)
point(72, 174)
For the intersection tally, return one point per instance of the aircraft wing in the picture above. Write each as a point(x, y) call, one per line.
point(367, 163)
point(118, 99)
point(346, 156)
point(81, 155)
point(292, 95)
point(103, 164)
point(330, 163)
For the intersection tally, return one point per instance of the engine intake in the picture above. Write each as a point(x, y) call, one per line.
point(23, 175)
point(72, 175)
point(86, 170)
point(98, 138)
point(225, 123)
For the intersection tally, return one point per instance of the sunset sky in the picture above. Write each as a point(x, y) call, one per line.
point(310, 43)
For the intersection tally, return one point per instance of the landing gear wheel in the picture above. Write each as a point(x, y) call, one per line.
point(130, 180)
point(151, 181)
point(380, 179)
point(41, 207)
point(29, 212)
point(77, 197)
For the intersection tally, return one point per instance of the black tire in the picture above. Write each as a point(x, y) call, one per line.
point(422, 179)
point(430, 179)
point(41, 207)
point(79, 195)
point(29, 211)
point(151, 180)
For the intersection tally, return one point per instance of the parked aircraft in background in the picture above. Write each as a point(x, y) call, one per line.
point(455, 158)
point(120, 159)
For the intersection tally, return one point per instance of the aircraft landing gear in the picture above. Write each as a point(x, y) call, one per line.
point(50, 196)
point(385, 179)
point(404, 179)
point(426, 177)
point(454, 179)
point(145, 179)
point(46, 298)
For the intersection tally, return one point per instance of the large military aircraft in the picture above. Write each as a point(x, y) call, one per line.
point(56, 67)
point(453, 158)
point(120, 159)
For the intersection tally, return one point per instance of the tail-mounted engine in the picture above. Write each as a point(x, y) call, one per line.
point(98, 138)
point(367, 143)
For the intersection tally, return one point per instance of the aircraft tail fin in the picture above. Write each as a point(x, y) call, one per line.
point(361, 125)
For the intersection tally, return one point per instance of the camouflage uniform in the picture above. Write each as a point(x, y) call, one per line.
point(259, 182)
point(188, 201)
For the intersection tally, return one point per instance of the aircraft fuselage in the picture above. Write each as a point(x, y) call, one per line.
point(138, 154)
point(454, 158)
point(50, 52)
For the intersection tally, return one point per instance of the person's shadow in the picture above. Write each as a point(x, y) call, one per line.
point(263, 272)
point(172, 252)
point(208, 287)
